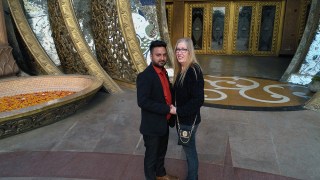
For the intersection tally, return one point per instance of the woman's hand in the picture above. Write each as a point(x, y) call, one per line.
point(173, 109)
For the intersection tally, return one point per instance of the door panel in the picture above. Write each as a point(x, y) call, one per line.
point(218, 27)
point(196, 26)
point(268, 29)
point(234, 27)
point(243, 27)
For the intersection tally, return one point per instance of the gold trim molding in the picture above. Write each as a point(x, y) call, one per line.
point(42, 59)
point(169, 8)
point(83, 50)
point(127, 28)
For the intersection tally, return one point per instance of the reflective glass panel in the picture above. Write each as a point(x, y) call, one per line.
point(197, 27)
point(218, 17)
point(266, 28)
point(38, 19)
point(84, 15)
point(244, 28)
point(145, 23)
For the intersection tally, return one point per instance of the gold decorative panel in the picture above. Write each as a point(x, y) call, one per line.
point(83, 49)
point(126, 24)
point(41, 58)
point(71, 62)
point(111, 47)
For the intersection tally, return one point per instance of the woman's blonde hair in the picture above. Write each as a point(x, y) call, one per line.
point(190, 60)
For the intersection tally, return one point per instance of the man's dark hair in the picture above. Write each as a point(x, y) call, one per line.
point(157, 43)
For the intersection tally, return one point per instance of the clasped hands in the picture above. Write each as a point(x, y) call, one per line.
point(173, 109)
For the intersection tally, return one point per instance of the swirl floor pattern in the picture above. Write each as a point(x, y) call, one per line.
point(247, 93)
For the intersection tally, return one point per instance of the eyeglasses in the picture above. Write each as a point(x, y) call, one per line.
point(181, 50)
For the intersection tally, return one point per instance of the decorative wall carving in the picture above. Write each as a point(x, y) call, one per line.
point(85, 60)
point(126, 24)
point(70, 59)
point(111, 47)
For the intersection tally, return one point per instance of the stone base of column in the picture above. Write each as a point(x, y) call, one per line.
point(8, 66)
point(314, 103)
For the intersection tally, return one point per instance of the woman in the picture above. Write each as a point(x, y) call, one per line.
point(189, 97)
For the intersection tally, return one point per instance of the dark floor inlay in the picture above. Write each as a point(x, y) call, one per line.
point(107, 166)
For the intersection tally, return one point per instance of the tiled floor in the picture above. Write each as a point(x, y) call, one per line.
point(102, 141)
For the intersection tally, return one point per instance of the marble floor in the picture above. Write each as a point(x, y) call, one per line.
point(102, 141)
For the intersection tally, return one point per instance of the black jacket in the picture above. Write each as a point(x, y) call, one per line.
point(152, 102)
point(190, 96)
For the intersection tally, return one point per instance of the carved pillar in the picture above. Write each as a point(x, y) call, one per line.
point(8, 65)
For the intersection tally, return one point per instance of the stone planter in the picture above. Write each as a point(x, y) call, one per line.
point(38, 115)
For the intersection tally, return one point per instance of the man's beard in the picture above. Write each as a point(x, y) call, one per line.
point(160, 66)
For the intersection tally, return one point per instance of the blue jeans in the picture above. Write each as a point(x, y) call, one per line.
point(191, 154)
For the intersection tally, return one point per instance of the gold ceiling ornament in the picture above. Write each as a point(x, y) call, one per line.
point(163, 28)
point(126, 24)
point(42, 60)
point(111, 47)
point(83, 49)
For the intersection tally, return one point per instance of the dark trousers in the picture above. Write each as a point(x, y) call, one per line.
point(156, 149)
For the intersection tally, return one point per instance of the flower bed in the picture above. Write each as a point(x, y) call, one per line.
point(9, 103)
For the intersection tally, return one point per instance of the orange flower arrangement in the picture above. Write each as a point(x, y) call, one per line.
point(9, 103)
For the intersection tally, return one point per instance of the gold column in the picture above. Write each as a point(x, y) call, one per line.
point(178, 21)
point(8, 65)
point(3, 32)
point(163, 27)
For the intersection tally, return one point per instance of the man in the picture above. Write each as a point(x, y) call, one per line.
point(154, 99)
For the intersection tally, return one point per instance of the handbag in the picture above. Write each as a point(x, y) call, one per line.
point(185, 134)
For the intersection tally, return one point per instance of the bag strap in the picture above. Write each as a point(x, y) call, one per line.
point(178, 123)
